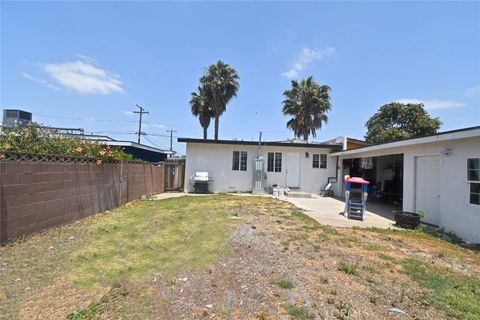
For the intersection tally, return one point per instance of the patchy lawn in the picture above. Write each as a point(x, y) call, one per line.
point(232, 257)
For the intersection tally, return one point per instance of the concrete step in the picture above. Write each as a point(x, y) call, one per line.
point(297, 194)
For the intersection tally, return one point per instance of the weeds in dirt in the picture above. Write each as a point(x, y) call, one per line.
point(374, 247)
point(95, 309)
point(384, 256)
point(455, 294)
point(299, 313)
point(348, 268)
point(442, 254)
point(262, 315)
point(284, 283)
point(344, 310)
point(370, 268)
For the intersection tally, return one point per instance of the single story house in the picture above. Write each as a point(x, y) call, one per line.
point(436, 175)
point(293, 163)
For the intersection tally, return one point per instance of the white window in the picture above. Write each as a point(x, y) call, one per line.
point(319, 161)
point(473, 178)
point(274, 162)
point(239, 161)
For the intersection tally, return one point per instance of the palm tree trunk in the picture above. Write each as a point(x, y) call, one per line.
point(216, 126)
point(204, 133)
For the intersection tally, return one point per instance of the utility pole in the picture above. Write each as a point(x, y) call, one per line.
point(141, 112)
point(171, 138)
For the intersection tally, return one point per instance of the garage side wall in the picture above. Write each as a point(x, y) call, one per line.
point(456, 213)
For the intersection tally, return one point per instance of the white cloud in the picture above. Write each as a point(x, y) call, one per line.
point(83, 77)
point(435, 103)
point(128, 113)
point(39, 80)
point(86, 58)
point(157, 125)
point(472, 92)
point(305, 58)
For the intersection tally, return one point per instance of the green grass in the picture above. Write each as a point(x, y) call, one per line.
point(154, 237)
point(284, 283)
point(457, 295)
point(299, 313)
point(348, 268)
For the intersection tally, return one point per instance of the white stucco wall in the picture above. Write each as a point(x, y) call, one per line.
point(456, 213)
point(216, 159)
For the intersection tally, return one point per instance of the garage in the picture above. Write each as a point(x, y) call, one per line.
point(437, 176)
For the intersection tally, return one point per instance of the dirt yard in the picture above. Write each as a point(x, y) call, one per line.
point(231, 257)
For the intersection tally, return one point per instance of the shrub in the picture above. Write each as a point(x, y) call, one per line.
point(34, 139)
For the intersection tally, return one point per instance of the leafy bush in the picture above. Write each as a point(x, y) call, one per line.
point(34, 139)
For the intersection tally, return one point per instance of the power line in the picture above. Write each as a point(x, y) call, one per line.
point(141, 112)
point(155, 144)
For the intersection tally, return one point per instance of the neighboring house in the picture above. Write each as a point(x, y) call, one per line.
point(438, 175)
point(293, 163)
point(137, 150)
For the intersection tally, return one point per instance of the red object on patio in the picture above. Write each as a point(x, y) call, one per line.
point(358, 180)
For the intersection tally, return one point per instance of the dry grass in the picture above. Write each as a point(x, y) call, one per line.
point(248, 257)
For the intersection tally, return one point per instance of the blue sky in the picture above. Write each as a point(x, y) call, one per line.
point(86, 64)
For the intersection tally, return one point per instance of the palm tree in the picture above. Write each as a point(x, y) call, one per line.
point(221, 84)
point(307, 103)
point(200, 109)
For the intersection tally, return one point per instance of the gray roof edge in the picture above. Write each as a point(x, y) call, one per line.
point(263, 143)
point(462, 133)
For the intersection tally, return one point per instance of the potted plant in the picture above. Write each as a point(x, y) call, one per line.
point(408, 219)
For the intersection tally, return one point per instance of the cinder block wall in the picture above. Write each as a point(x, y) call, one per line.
point(39, 195)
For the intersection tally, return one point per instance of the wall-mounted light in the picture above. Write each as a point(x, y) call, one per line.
point(306, 155)
point(447, 152)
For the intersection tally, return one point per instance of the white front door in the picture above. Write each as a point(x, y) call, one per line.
point(293, 170)
point(427, 191)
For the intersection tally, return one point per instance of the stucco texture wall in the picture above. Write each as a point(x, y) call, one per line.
point(456, 213)
point(217, 161)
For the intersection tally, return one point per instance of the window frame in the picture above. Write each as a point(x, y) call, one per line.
point(468, 169)
point(323, 161)
point(473, 182)
point(274, 161)
point(239, 160)
point(243, 160)
point(235, 160)
point(316, 162)
point(320, 162)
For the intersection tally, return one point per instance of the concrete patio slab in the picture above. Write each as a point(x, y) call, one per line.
point(325, 210)
point(329, 211)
